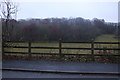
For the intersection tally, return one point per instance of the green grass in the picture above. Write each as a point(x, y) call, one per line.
point(106, 38)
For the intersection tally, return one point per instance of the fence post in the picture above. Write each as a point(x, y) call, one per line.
point(104, 50)
point(92, 49)
point(118, 44)
point(3, 54)
point(60, 45)
point(29, 49)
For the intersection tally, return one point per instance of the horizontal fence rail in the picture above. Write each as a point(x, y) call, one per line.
point(63, 42)
point(63, 48)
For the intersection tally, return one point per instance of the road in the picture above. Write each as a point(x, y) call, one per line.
point(61, 66)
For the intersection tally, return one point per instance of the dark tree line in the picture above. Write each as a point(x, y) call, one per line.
point(53, 29)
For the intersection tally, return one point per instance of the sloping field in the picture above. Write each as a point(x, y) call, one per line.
point(106, 38)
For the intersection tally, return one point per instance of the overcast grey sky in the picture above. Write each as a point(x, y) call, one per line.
point(88, 10)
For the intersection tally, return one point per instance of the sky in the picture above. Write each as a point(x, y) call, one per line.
point(87, 9)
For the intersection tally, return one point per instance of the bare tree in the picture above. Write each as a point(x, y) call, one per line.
point(8, 10)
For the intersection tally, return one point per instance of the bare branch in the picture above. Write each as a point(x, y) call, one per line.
point(8, 9)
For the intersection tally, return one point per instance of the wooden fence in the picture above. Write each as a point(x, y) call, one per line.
point(92, 48)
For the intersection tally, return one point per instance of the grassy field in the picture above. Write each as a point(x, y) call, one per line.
point(103, 38)
point(106, 38)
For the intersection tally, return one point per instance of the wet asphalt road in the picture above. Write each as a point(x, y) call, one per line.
point(52, 65)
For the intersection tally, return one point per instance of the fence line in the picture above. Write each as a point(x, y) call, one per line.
point(92, 48)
